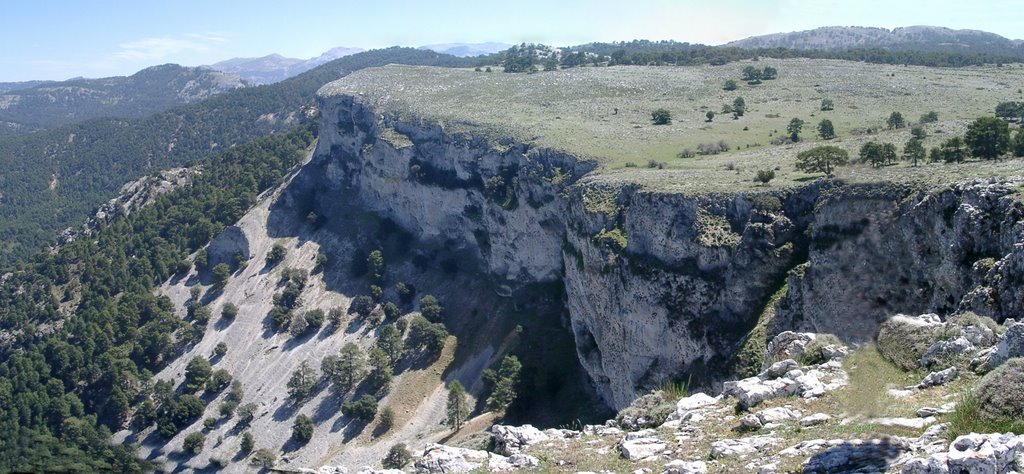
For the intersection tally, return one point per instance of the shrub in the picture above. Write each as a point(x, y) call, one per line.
point(826, 105)
point(766, 202)
point(686, 153)
point(995, 404)
point(264, 458)
point(661, 117)
point(730, 85)
point(218, 381)
point(315, 318)
point(229, 311)
point(430, 308)
point(764, 176)
point(398, 456)
point(246, 413)
point(297, 325)
point(247, 443)
point(903, 341)
point(387, 420)
point(276, 254)
point(220, 349)
point(364, 409)
point(361, 305)
point(227, 408)
point(221, 273)
point(197, 372)
point(648, 411)
point(1000, 393)
point(302, 429)
point(193, 443)
point(336, 316)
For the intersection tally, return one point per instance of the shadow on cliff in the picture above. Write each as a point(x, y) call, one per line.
point(478, 311)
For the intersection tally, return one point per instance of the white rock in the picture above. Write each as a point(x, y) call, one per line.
point(740, 447)
point(945, 349)
point(934, 464)
point(910, 423)
point(788, 344)
point(1010, 345)
point(750, 421)
point(983, 453)
point(510, 440)
point(438, 458)
point(686, 467)
point(777, 414)
point(935, 379)
point(642, 448)
point(695, 401)
point(815, 419)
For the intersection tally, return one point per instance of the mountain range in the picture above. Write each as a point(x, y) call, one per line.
point(35, 105)
point(922, 38)
point(274, 67)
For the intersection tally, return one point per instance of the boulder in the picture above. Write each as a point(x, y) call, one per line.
point(945, 350)
point(935, 379)
point(509, 440)
point(815, 419)
point(777, 414)
point(438, 458)
point(686, 467)
point(695, 401)
point(982, 453)
point(1010, 345)
point(740, 447)
point(787, 345)
point(641, 448)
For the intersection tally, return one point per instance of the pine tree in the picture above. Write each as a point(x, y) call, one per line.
point(457, 409)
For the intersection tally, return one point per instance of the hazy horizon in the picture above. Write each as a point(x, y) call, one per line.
point(61, 40)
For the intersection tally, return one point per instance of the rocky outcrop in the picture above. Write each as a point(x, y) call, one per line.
point(662, 286)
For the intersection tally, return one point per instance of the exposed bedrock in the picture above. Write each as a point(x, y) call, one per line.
point(664, 286)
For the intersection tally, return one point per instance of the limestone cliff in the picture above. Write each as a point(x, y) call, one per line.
point(662, 286)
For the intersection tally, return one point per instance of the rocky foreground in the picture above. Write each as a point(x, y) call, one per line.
point(791, 417)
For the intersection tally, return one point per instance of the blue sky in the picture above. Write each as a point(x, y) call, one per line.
point(61, 39)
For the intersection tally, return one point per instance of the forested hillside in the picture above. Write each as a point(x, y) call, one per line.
point(81, 330)
point(146, 92)
point(54, 178)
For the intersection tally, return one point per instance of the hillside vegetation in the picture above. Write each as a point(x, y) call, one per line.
point(146, 92)
point(606, 113)
point(54, 178)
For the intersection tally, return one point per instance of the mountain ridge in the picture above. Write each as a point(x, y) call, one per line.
point(919, 37)
point(275, 67)
point(154, 89)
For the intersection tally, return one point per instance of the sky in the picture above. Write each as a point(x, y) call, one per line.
point(60, 39)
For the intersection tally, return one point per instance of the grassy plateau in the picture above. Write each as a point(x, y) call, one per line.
point(605, 113)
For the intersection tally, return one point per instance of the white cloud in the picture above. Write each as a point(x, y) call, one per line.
point(160, 48)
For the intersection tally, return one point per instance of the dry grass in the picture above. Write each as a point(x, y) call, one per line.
point(605, 113)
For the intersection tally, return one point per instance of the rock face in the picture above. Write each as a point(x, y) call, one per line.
point(658, 285)
point(509, 440)
point(988, 453)
point(438, 458)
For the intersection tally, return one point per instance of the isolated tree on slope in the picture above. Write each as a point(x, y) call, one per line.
point(825, 130)
point(988, 138)
point(794, 128)
point(457, 409)
point(822, 159)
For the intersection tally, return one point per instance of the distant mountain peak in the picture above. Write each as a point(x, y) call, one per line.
point(464, 50)
point(275, 67)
